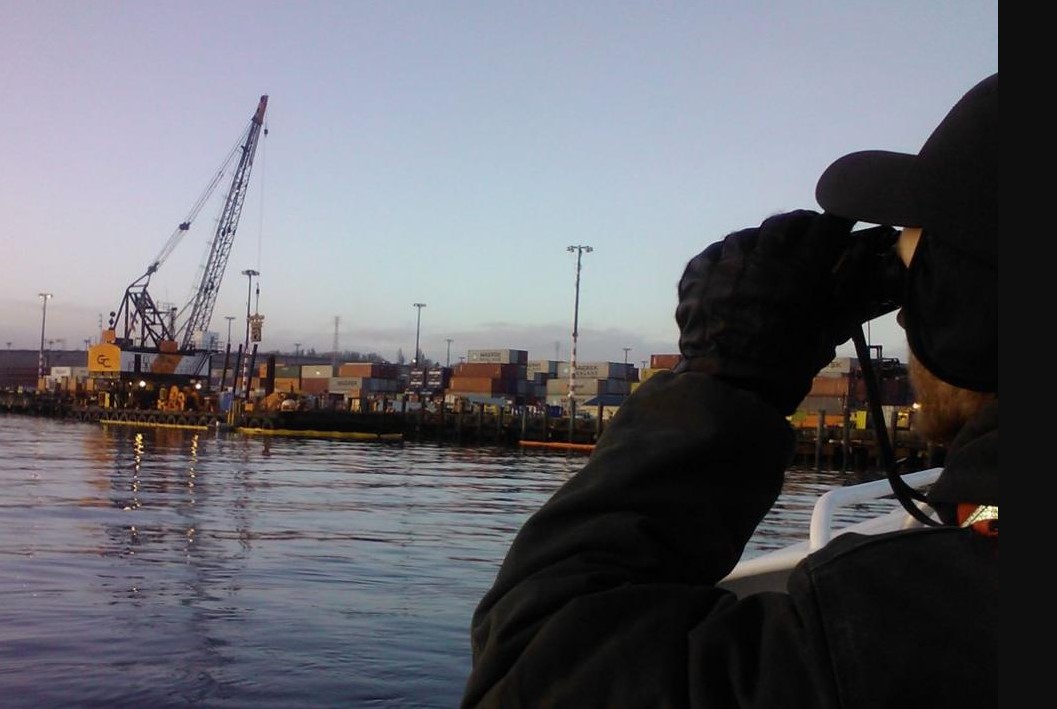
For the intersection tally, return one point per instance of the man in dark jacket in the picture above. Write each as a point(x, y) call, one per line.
point(610, 596)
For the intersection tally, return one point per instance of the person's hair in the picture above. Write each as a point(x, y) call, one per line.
point(945, 408)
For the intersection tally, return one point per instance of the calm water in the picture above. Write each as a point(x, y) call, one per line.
point(165, 568)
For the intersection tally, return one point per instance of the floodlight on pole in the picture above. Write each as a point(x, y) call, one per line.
point(418, 328)
point(249, 273)
point(44, 298)
point(247, 378)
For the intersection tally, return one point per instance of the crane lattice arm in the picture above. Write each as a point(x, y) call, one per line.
point(205, 294)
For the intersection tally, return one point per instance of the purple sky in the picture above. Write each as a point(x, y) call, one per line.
point(443, 152)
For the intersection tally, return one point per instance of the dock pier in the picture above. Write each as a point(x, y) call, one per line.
point(828, 448)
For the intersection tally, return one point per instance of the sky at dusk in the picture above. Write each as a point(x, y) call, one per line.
point(444, 153)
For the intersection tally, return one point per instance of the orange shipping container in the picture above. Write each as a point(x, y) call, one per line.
point(810, 421)
point(829, 386)
point(286, 383)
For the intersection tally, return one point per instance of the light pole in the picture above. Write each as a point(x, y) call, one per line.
point(447, 359)
point(230, 319)
point(297, 352)
point(626, 350)
point(418, 327)
point(44, 298)
point(579, 250)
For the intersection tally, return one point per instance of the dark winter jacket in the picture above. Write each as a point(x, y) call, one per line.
point(608, 595)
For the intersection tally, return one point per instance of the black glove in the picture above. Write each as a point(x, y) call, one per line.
point(757, 309)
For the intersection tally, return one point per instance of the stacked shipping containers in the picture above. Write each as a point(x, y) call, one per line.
point(491, 374)
point(315, 378)
point(538, 373)
point(359, 379)
point(592, 379)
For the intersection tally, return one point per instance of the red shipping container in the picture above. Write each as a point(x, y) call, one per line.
point(315, 385)
point(481, 385)
point(490, 369)
point(380, 370)
point(664, 361)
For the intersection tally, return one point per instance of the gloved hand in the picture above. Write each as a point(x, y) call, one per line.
point(757, 308)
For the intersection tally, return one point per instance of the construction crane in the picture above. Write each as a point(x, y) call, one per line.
point(142, 338)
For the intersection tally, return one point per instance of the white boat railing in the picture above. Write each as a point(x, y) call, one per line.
point(768, 572)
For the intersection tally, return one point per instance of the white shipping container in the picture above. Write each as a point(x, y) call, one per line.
point(839, 367)
point(340, 385)
point(61, 371)
point(583, 386)
point(563, 401)
point(498, 356)
point(542, 366)
point(596, 370)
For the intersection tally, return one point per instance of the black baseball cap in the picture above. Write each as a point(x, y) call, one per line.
point(949, 190)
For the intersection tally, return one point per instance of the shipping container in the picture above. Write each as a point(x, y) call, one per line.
point(340, 385)
point(561, 402)
point(317, 371)
point(810, 421)
point(314, 385)
point(840, 367)
point(346, 385)
point(287, 383)
point(664, 361)
point(541, 366)
point(490, 369)
point(596, 370)
point(583, 386)
point(380, 370)
point(481, 385)
point(498, 356)
point(829, 404)
point(438, 378)
point(830, 386)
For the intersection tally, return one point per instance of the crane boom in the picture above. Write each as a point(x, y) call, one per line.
point(141, 337)
point(205, 294)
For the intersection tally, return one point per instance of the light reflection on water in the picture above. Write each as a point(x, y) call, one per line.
point(167, 568)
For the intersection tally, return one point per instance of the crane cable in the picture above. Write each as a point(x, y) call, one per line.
point(185, 225)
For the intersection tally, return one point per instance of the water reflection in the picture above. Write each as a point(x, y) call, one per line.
point(166, 567)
